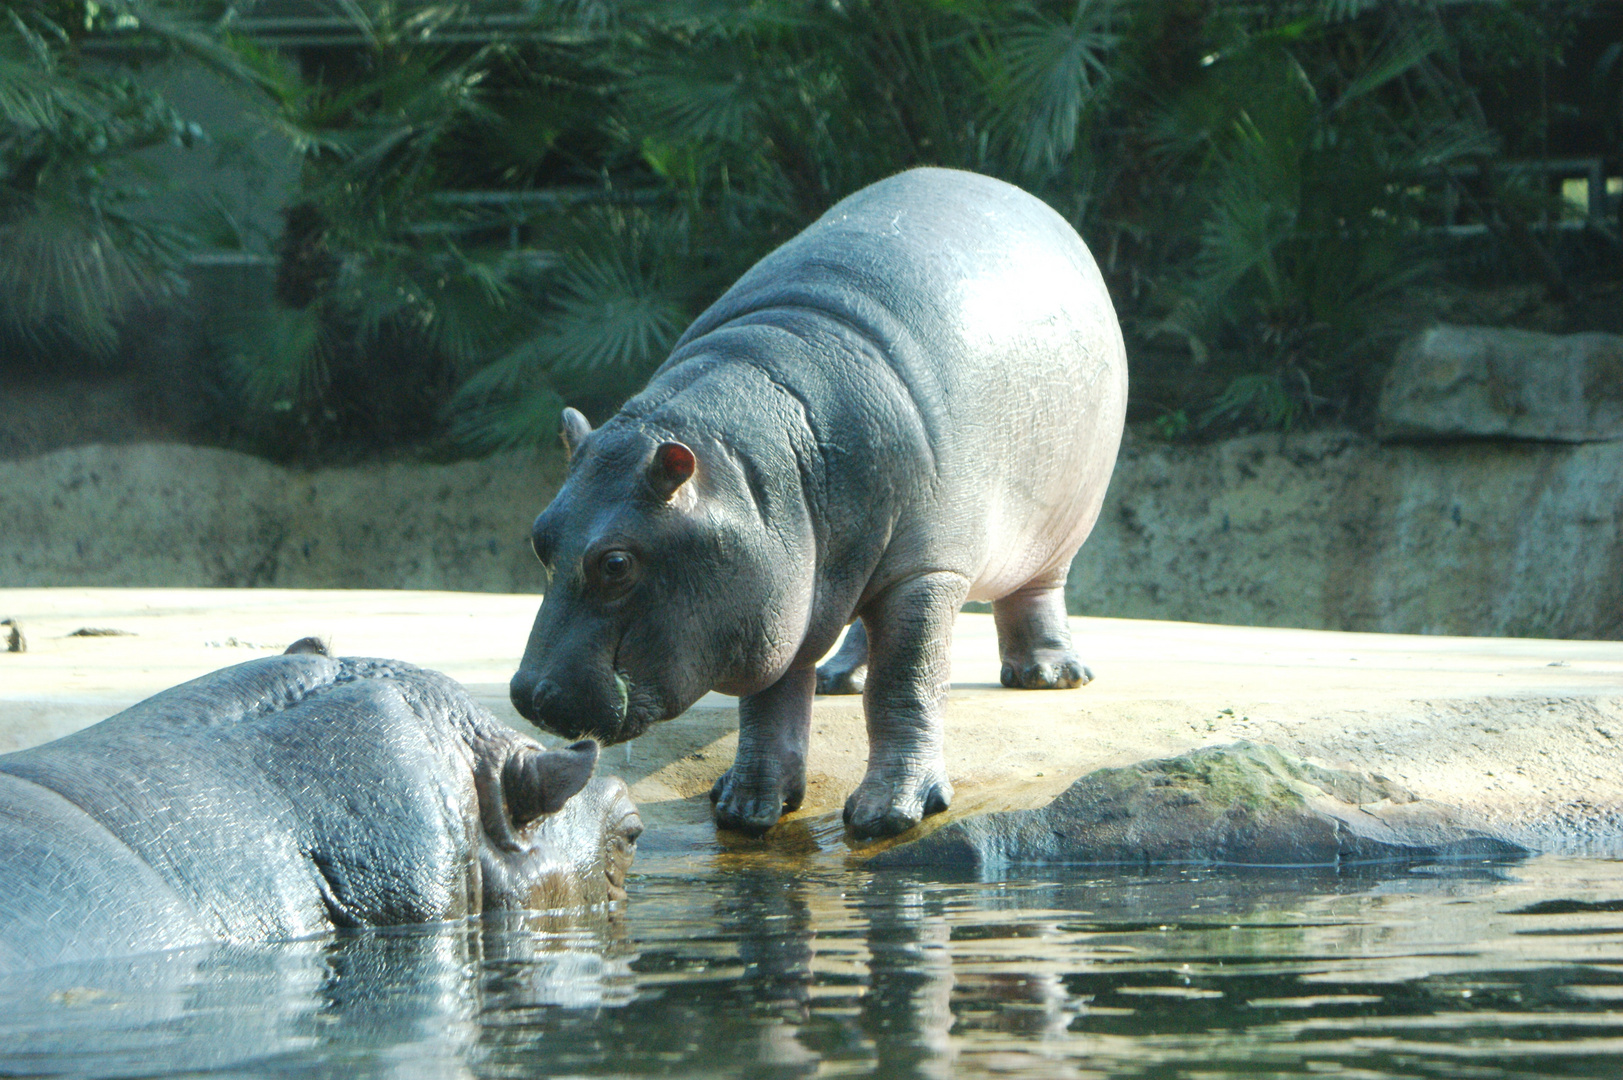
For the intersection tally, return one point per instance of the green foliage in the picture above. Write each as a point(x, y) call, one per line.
point(612, 309)
point(490, 223)
point(1260, 398)
point(78, 251)
point(1307, 145)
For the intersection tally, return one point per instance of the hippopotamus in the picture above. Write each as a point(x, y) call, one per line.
point(915, 402)
point(293, 795)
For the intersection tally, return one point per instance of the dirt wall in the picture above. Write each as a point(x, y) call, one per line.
point(1333, 531)
point(1324, 530)
point(160, 514)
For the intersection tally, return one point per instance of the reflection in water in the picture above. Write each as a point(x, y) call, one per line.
point(750, 970)
point(907, 1011)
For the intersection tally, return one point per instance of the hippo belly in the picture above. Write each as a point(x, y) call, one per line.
point(289, 796)
point(916, 402)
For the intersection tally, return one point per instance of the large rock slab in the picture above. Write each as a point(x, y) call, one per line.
point(1338, 532)
point(1484, 382)
point(1244, 803)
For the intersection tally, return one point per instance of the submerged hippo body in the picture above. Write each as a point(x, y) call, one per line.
point(915, 402)
point(289, 796)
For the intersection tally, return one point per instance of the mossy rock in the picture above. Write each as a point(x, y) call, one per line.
point(1245, 803)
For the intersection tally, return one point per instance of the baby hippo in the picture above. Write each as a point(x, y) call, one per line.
point(914, 403)
point(289, 796)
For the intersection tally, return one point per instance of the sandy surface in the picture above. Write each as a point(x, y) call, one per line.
point(1528, 733)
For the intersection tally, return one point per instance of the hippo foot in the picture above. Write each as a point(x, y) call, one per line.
point(885, 806)
point(832, 679)
point(1047, 670)
point(846, 672)
point(751, 805)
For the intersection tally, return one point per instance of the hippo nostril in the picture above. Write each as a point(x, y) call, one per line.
point(545, 700)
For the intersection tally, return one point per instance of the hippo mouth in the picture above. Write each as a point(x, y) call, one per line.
point(639, 707)
point(639, 710)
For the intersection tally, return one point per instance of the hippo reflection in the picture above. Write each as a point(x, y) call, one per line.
point(290, 796)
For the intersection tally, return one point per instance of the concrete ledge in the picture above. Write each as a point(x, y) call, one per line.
point(1526, 734)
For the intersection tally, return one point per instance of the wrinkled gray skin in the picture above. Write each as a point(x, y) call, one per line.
point(914, 403)
point(289, 796)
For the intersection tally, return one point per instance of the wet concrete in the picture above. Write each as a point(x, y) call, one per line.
point(1527, 734)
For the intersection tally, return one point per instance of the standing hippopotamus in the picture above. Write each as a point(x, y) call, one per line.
point(914, 403)
point(289, 796)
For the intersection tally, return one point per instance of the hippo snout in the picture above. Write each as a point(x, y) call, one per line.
point(571, 708)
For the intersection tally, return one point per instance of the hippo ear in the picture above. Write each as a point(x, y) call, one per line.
point(537, 782)
point(574, 431)
point(671, 467)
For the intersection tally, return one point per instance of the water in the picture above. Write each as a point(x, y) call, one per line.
point(729, 966)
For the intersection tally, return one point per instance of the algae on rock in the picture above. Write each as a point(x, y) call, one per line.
point(1245, 803)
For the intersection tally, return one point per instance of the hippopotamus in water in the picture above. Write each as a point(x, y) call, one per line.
point(915, 402)
point(289, 796)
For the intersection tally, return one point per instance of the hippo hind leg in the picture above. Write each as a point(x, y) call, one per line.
point(847, 670)
point(1034, 640)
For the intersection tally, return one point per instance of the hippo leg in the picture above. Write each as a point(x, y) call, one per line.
point(768, 777)
point(909, 668)
point(1034, 639)
point(847, 669)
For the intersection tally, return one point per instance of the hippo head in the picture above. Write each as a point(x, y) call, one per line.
point(538, 831)
point(673, 571)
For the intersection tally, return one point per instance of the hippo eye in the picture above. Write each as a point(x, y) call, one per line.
point(615, 567)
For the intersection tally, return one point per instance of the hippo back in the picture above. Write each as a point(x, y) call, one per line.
point(275, 799)
point(75, 891)
point(949, 340)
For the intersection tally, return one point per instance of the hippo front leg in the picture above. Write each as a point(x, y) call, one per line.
point(768, 776)
point(909, 670)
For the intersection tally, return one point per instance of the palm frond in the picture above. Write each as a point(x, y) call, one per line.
point(1452, 141)
point(1403, 52)
point(71, 277)
point(1257, 194)
point(698, 106)
point(612, 313)
point(502, 422)
point(1264, 396)
point(1338, 11)
point(278, 360)
point(1044, 74)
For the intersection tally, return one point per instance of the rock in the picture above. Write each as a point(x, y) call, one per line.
point(1245, 803)
point(1474, 381)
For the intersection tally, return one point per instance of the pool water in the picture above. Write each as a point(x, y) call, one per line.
point(732, 966)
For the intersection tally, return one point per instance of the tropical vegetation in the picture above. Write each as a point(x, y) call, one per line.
point(503, 206)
